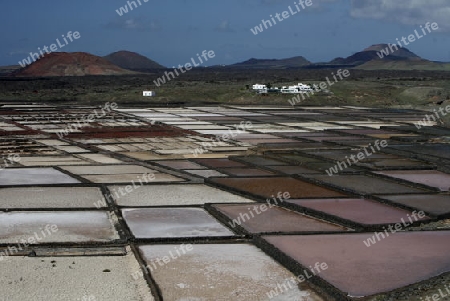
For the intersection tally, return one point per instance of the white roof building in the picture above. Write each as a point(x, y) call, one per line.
point(259, 87)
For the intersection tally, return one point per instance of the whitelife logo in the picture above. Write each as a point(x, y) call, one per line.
point(438, 297)
point(24, 243)
point(144, 178)
point(10, 160)
point(293, 282)
point(411, 38)
point(206, 146)
point(86, 120)
point(244, 217)
point(124, 9)
point(34, 56)
point(358, 157)
point(266, 24)
point(168, 75)
point(339, 76)
point(153, 265)
point(398, 227)
point(429, 120)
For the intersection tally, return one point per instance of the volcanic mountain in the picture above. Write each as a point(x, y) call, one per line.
point(294, 62)
point(377, 52)
point(401, 59)
point(132, 61)
point(71, 64)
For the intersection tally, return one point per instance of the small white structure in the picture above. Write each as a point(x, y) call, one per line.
point(300, 88)
point(304, 88)
point(263, 91)
point(149, 93)
point(259, 87)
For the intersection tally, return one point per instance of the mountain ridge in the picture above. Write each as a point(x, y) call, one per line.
point(374, 57)
point(70, 64)
point(132, 61)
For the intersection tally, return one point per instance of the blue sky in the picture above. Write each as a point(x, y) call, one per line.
point(171, 32)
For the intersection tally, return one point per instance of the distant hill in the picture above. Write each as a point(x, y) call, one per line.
point(71, 64)
point(375, 57)
point(373, 53)
point(401, 59)
point(294, 62)
point(132, 61)
point(401, 52)
point(419, 64)
point(6, 70)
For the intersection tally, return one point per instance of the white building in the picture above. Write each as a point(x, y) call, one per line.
point(149, 93)
point(300, 88)
point(259, 87)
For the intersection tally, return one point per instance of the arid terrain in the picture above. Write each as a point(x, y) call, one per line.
point(262, 150)
point(378, 88)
